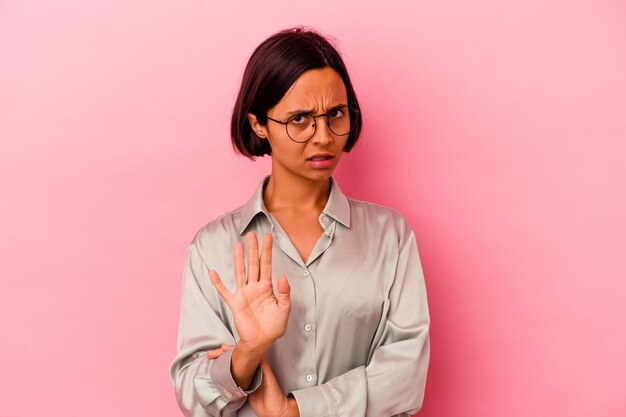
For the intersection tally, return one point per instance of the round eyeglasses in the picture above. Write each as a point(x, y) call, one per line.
point(301, 127)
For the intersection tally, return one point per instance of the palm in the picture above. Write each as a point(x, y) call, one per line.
point(260, 317)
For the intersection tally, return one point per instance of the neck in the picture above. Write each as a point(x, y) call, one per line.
point(294, 193)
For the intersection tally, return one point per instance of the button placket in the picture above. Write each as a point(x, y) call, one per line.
point(284, 243)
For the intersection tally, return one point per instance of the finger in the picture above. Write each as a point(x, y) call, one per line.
point(267, 372)
point(226, 347)
point(266, 257)
point(220, 287)
point(284, 292)
point(240, 269)
point(253, 257)
point(214, 354)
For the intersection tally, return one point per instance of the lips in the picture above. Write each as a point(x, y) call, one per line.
point(320, 157)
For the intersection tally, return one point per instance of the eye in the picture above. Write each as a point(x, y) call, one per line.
point(336, 113)
point(299, 119)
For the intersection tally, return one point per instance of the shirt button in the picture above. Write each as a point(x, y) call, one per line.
point(324, 219)
point(309, 377)
point(307, 327)
point(328, 232)
point(306, 273)
point(229, 395)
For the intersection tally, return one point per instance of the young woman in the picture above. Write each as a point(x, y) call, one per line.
point(327, 315)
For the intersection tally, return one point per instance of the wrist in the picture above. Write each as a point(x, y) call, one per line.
point(243, 366)
point(252, 351)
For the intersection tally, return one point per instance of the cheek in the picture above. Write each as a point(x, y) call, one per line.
point(341, 144)
point(284, 150)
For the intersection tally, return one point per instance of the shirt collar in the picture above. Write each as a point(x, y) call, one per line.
point(337, 205)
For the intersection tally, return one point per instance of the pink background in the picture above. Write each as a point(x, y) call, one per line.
point(497, 128)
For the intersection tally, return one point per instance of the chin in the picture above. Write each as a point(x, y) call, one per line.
point(323, 175)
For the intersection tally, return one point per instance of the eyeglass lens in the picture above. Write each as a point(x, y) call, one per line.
point(341, 121)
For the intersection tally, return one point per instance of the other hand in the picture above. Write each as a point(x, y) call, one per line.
point(269, 400)
point(216, 353)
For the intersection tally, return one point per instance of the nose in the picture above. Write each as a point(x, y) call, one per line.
point(322, 134)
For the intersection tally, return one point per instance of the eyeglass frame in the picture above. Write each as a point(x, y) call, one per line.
point(356, 112)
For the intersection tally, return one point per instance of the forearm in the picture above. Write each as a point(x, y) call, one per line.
point(393, 383)
point(243, 366)
point(203, 388)
point(344, 395)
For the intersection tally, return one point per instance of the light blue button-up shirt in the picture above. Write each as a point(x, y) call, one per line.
point(357, 340)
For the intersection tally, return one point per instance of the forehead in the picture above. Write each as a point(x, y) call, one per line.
point(314, 88)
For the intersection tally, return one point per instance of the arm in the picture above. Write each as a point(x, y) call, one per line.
point(269, 399)
point(205, 387)
point(394, 380)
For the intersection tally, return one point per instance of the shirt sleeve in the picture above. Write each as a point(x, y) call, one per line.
point(394, 381)
point(204, 387)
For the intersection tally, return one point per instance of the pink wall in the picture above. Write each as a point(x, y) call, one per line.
point(497, 128)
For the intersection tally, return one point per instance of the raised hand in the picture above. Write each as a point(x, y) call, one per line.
point(260, 317)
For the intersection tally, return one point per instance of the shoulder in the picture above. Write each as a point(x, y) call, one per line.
point(219, 229)
point(379, 218)
point(370, 210)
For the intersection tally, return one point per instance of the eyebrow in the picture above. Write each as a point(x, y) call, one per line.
point(291, 113)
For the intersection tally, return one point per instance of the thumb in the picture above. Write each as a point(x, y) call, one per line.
point(268, 374)
point(284, 291)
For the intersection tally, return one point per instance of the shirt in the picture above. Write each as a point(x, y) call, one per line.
point(357, 339)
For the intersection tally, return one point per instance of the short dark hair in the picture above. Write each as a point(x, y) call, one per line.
point(271, 70)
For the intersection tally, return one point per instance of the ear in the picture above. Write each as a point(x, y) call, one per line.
point(260, 130)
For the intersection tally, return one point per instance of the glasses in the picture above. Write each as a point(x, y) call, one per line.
point(301, 127)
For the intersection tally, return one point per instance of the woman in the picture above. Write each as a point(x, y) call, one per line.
point(347, 332)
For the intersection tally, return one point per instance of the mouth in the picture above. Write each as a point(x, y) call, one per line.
point(320, 157)
point(321, 161)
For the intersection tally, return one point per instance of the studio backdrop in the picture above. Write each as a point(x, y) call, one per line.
point(496, 128)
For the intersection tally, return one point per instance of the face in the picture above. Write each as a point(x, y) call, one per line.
point(316, 91)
